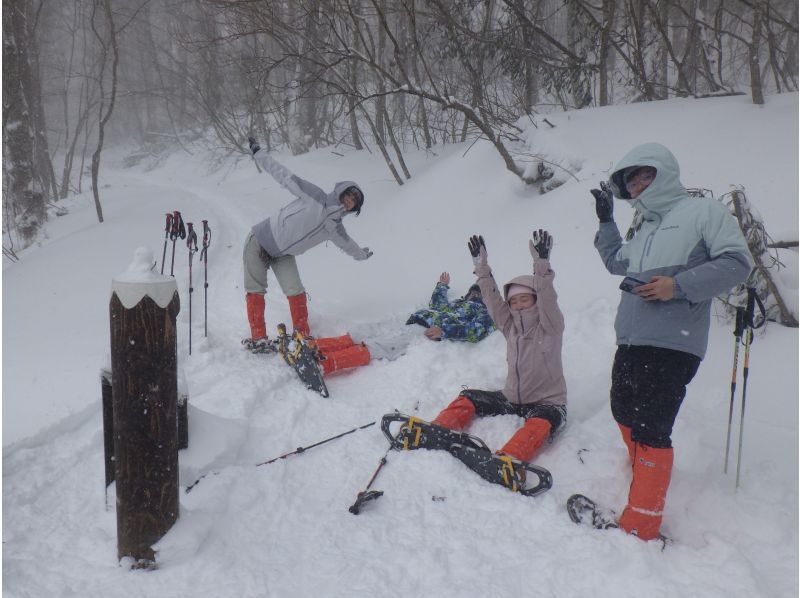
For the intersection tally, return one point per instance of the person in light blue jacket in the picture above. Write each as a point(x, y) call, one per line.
point(315, 216)
point(686, 251)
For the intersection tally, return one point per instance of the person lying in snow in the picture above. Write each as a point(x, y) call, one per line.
point(465, 319)
point(313, 218)
point(528, 315)
point(686, 251)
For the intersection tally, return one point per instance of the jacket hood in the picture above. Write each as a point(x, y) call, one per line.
point(525, 281)
point(338, 189)
point(663, 192)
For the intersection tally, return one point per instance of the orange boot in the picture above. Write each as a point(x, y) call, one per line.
point(255, 315)
point(626, 438)
point(457, 415)
point(526, 441)
point(652, 470)
point(333, 343)
point(350, 357)
point(299, 310)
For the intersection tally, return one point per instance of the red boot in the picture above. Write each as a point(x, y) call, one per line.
point(652, 470)
point(299, 310)
point(351, 357)
point(457, 415)
point(333, 343)
point(526, 441)
point(255, 315)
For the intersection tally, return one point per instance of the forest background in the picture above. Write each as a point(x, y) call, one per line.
point(380, 75)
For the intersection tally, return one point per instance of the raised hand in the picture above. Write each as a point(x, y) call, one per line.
point(604, 202)
point(541, 244)
point(365, 255)
point(445, 278)
point(477, 249)
point(254, 147)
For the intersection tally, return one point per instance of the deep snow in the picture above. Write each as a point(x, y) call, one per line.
point(439, 530)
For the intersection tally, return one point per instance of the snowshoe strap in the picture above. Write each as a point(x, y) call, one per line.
point(510, 476)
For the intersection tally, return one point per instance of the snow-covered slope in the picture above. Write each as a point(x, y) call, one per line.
point(439, 530)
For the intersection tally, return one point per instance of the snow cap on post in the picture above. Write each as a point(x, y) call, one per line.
point(142, 280)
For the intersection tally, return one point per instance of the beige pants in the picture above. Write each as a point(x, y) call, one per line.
point(256, 264)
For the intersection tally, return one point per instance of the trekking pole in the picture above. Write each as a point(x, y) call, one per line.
point(191, 243)
point(176, 231)
point(737, 333)
point(297, 451)
point(748, 340)
point(366, 494)
point(303, 449)
point(204, 259)
point(167, 230)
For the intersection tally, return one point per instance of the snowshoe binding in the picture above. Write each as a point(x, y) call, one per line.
point(303, 358)
point(415, 433)
point(504, 470)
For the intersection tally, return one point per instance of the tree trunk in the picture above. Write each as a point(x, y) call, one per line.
point(398, 152)
point(23, 184)
point(755, 46)
point(104, 116)
point(609, 8)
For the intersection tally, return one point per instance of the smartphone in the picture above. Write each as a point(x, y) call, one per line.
point(629, 283)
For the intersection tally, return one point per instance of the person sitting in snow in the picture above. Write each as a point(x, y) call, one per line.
point(528, 315)
point(686, 251)
point(314, 217)
point(465, 319)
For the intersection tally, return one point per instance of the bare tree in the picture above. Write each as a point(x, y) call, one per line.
point(24, 189)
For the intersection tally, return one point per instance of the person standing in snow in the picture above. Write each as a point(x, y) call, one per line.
point(465, 319)
point(528, 315)
point(313, 217)
point(686, 251)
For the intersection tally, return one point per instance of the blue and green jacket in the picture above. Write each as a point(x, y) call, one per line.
point(460, 320)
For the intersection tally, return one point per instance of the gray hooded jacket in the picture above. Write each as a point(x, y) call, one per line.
point(314, 217)
point(696, 241)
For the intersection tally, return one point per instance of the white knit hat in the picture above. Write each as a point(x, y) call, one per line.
point(518, 289)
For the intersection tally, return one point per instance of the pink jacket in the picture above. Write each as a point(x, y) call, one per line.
point(533, 337)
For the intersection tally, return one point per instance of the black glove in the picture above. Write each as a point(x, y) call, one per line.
point(604, 202)
point(475, 245)
point(541, 244)
point(254, 147)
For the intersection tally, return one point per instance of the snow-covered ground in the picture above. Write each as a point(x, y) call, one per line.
point(439, 530)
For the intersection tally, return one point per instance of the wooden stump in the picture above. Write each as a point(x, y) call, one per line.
point(108, 424)
point(145, 390)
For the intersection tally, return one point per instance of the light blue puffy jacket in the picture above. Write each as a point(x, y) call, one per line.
point(696, 241)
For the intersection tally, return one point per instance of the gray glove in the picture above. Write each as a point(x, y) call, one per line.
point(366, 256)
point(254, 147)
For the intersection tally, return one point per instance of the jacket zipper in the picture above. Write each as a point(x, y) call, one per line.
point(309, 234)
point(516, 364)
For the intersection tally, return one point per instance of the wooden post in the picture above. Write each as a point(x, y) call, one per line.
point(183, 420)
point(144, 307)
point(108, 424)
